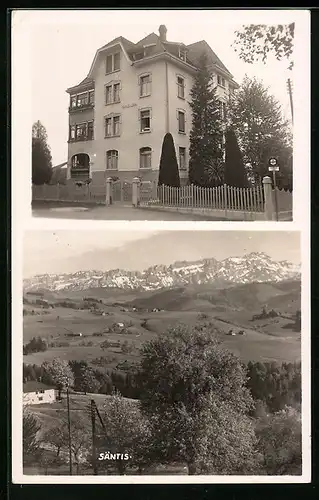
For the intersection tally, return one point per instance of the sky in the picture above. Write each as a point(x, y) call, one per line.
point(64, 44)
point(67, 251)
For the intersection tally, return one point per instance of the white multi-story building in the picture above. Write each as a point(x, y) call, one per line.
point(135, 93)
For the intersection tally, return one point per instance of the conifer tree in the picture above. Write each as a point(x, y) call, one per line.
point(168, 169)
point(41, 155)
point(206, 153)
point(235, 173)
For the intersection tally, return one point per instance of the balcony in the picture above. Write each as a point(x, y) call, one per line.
point(81, 138)
point(81, 107)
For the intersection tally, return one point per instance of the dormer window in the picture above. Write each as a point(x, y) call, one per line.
point(182, 53)
point(148, 49)
point(138, 56)
point(113, 62)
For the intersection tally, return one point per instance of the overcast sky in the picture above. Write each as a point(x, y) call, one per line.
point(65, 42)
point(66, 251)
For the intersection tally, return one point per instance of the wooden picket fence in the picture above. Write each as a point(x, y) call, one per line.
point(215, 198)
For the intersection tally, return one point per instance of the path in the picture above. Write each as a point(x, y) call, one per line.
point(114, 212)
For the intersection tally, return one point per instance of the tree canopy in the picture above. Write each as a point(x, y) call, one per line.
point(262, 132)
point(194, 394)
point(60, 373)
point(257, 41)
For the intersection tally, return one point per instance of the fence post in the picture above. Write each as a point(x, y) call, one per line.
point(109, 191)
point(225, 200)
point(136, 192)
point(269, 203)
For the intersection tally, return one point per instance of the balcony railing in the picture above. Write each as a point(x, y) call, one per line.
point(80, 107)
point(82, 138)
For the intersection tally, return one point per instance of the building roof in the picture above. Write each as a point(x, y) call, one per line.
point(34, 386)
point(194, 51)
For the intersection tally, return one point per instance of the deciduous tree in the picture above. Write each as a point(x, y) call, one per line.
point(257, 41)
point(261, 131)
point(31, 445)
point(126, 431)
point(279, 442)
point(60, 373)
point(194, 394)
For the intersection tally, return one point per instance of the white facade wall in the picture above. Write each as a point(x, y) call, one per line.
point(130, 140)
point(38, 397)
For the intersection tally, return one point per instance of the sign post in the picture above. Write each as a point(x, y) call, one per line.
point(273, 167)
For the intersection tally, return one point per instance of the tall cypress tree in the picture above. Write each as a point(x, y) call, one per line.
point(206, 153)
point(235, 172)
point(168, 169)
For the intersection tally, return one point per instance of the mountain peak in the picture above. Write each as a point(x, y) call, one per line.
point(253, 267)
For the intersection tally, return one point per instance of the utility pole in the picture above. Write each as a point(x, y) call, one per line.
point(69, 429)
point(290, 97)
point(94, 411)
point(93, 438)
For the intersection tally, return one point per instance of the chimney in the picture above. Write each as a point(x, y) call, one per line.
point(162, 32)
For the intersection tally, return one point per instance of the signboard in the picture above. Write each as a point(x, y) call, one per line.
point(273, 167)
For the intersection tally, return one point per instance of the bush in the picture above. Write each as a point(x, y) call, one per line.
point(279, 442)
point(168, 168)
point(35, 345)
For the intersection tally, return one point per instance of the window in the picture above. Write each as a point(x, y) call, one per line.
point(145, 158)
point(145, 85)
point(90, 131)
point(72, 132)
point(112, 158)
point(116, 125)
point(181, 87)
point(112, 125)
point(112, 93)
point(80, 131)
point(181, 122)
point(82, 100)
point(113, 62)
point(91, 97)
point(182, 158)
point(145, 120)
point(116, 92)
point(182, 53)
point(40, 398)
point(80, 166)
point(220, 81)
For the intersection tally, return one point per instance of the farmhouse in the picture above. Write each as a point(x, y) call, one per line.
point(37, 393)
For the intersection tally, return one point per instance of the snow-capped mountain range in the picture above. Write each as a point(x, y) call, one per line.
point(254, 267)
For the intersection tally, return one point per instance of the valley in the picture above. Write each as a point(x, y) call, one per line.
point(107, 326)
